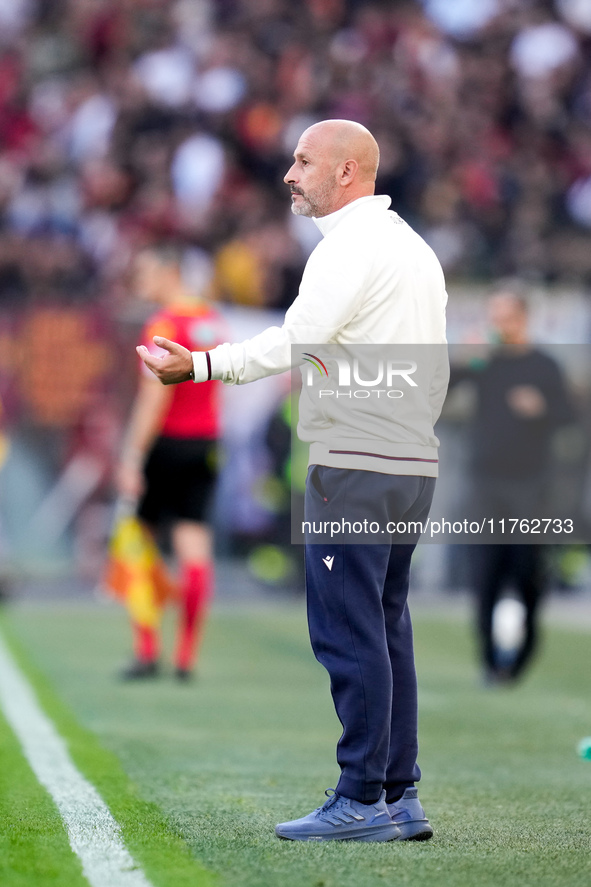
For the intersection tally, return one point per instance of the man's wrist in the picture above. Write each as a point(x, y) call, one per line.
point(201, 366)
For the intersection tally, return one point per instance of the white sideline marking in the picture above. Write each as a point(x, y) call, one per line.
point(94, 835)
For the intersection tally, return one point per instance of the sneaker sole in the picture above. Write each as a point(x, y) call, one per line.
point(381, 833)
point(414, 831)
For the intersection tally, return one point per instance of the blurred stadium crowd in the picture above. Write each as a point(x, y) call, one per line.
point(124, 122)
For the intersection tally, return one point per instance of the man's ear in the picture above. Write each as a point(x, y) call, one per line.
point(348, 172)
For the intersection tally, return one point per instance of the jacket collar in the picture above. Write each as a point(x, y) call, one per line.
point(375, 201)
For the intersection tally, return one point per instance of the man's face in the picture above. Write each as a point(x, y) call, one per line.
point(312, 179)
point(507, 320)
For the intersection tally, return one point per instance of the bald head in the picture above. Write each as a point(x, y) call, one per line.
point(348, 140)
point(336, 161)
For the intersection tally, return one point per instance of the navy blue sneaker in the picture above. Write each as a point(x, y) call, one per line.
point(342, 819)
point(409, 817)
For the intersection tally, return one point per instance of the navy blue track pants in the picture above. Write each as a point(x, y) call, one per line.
point(360, 626)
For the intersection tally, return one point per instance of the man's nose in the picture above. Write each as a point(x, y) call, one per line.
point(289, 176)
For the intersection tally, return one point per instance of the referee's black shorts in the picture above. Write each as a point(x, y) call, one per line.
point(180, 475)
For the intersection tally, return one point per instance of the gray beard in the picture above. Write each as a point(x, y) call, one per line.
point(303, 210)
point(318, 207)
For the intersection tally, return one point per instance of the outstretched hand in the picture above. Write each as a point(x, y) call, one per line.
point(175, 366)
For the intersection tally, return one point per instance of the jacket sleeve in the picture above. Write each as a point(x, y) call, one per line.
point(330, 293)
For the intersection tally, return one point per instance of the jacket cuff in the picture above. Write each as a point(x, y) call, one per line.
point(201, 366)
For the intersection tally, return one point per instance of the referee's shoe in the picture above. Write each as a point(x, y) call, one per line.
point(342, 819)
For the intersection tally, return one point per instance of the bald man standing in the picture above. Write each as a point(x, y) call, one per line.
point(371, 281)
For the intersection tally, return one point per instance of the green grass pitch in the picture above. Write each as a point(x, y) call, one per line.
point(198, 775)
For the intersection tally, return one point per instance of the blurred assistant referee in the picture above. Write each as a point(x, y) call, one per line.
point(168, 459)
point(371, 280)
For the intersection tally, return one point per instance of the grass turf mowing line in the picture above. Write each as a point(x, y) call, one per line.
point(252, 743)
point(163, 855)
point(94, 835)
point(34, 846)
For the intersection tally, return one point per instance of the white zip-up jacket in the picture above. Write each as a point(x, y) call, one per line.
point(371, 281)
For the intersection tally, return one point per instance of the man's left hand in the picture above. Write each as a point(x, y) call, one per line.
point(173, 367)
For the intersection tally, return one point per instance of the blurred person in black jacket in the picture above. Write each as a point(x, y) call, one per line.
point(521, 401)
